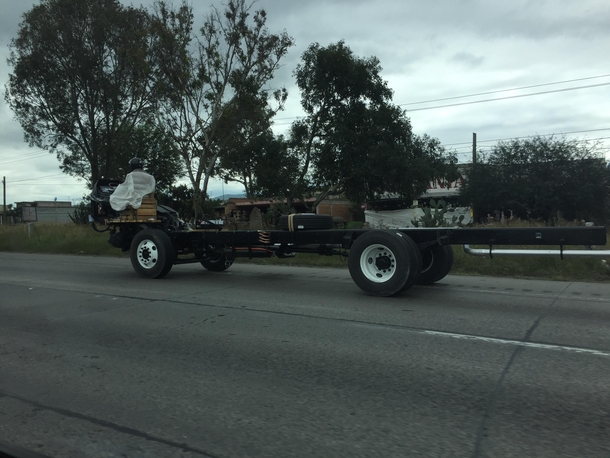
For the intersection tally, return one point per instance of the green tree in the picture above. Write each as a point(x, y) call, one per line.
point(268, 166)
point(357, 142)
point(539, 177)
point(241, 161)
point(157, 149)
point(180, 198)
point(210, 79)
point(249, 143)
point(82, 81)
point(281, 171)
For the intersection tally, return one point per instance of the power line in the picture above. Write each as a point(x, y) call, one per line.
point(502, 90)
point(487, 93)
point(27, 158)
point(37, 178)
point(47, 184)
point(509, 97)
point(531, 136)
point(23, 159)
point(26, 154)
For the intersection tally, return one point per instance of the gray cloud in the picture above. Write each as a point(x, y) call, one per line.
point(468, 59)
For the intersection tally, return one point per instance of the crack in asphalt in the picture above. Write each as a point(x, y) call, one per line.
point(108, 424)
point(497, 389)
point(495, 394)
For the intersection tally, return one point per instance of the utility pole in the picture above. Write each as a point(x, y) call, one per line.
point(474, 148)
point(4, 200)
point(475, 213)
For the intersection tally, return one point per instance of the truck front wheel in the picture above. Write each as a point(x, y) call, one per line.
point(152, 253)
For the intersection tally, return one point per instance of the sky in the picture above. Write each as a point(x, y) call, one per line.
point(500, 69)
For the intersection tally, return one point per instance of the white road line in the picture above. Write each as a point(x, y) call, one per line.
point(518, 343)
point(553, 295)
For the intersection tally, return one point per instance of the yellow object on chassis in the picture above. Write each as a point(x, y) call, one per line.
point(146, 213)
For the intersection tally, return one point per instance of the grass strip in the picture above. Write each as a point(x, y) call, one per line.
point(56, 238)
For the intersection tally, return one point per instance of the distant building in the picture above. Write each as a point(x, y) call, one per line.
point(237, 211)
point(45, 211)
point(391, 211)
point(241, 208)
point(343, 211)
point(5, 219)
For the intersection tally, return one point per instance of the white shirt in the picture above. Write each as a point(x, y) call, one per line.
point(137, 184)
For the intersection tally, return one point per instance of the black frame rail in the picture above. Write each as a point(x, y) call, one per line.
point(311, 241)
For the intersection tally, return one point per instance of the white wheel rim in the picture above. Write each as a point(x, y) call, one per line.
point(148, 254)
point(378, 263)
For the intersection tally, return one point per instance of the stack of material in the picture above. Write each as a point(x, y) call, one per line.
point(146, 213)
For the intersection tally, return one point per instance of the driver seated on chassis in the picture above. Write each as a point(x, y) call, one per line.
point(137, 184)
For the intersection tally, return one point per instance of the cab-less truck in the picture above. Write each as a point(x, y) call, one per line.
point(381, 262)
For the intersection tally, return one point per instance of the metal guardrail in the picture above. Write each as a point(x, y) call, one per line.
point(491, 252)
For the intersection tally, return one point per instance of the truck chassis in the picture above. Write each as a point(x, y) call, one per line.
point(381, 262)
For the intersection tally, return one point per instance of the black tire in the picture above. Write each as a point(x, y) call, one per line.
point(436, 264)
point(305, 222)
point(217, 262)
point(152, 253)
point(381, 262)
point(416, 263)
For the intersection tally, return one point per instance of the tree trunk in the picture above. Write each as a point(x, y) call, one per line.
point(95, 171)
point(289, 202)
point(324, 195)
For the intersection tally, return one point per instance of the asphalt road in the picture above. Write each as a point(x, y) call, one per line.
point(263, 361)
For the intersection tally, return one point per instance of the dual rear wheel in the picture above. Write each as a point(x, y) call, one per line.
point(385, 263)
point(436, 264)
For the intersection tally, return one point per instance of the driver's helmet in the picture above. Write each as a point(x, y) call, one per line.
point(136, 163)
